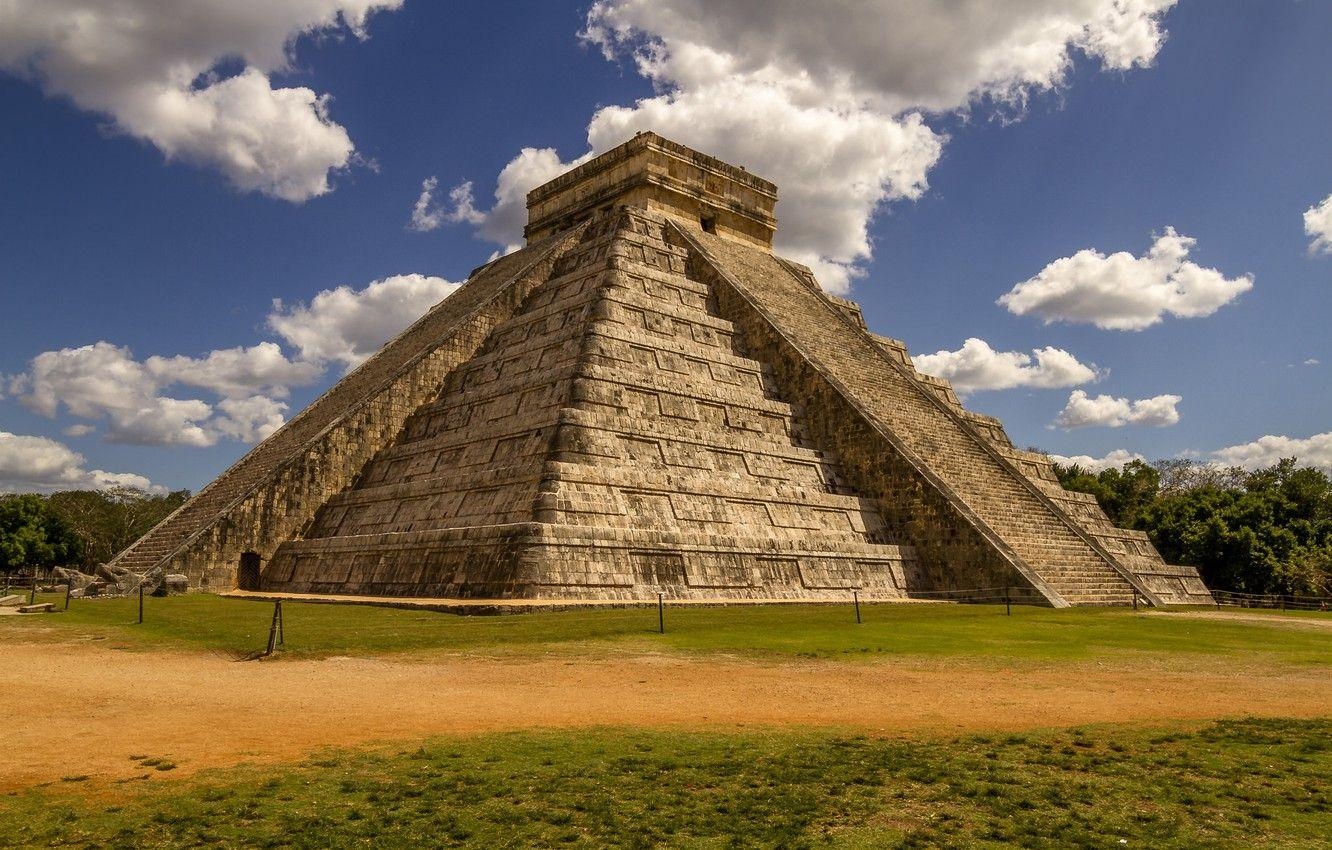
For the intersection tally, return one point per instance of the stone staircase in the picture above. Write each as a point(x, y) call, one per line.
point(645, 396)
point(293, 439)
point(171, 533)
point(611, 438)
point(1008, 507)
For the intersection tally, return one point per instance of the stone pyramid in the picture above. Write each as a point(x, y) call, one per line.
point(646, 399)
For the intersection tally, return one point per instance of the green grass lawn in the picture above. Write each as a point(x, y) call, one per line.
point(1241, 783)
point(1232, 784)
point(206, 622)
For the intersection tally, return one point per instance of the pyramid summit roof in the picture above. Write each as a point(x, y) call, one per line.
point(656, 173)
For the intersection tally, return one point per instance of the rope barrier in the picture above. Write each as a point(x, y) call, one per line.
point(1237, 599)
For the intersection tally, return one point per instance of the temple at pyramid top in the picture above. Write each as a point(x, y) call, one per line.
point(654, 173)
point(646, 400)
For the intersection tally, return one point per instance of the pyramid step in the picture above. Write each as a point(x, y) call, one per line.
point(615, 406)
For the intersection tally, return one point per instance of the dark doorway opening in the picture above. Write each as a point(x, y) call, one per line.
point(247, 575)
point(709, 224)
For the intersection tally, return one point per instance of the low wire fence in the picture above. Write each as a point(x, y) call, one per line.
point(1281, 601)
point(980, 596)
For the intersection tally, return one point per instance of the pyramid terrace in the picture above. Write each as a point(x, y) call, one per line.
point(646, 399)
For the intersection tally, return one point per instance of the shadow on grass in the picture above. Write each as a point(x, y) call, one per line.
point(239, 628)
point(1241, 783)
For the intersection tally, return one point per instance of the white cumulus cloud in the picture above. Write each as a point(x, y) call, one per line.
point(1308, 451)
point(249, 420)
point(237, 372)
point(828, 100)
point(895, 54)
point(1083, 411)
point(152, 401)
point(104, 381)
point(833, 167)
point(1318, 226)
point(153, 68)
point(42, 465)
point(1124, 292)
point(1111, 460)
point(428, 214)
point(977, 366)
point(503, 222)
point(349, 325)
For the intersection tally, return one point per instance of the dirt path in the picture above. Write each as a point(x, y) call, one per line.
point(79, 709)
point(1317, 623)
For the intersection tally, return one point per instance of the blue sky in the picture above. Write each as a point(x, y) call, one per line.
point(163, 182)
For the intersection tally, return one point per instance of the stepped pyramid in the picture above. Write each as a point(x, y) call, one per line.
point(646, 399)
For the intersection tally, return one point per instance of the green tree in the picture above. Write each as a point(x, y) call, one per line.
point(1131, 489)
point(31, 534)
point(1272, 534)
point(1268, 531)
point(1122, 493)
point(108, 521)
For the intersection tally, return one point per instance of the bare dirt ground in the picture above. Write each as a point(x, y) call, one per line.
point(1317, 624)
point(76, 709)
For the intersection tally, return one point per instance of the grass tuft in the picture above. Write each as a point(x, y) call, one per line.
point(1229, 784)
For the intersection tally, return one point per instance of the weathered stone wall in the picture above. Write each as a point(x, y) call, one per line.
point(1132, 551)
point(655, 173)
point(466, 465)
point(608, 440)
point(680, 457)
point(271, 493)
point(650, 401)
point(480, 561)
point(1006, 510)
point(951, 553)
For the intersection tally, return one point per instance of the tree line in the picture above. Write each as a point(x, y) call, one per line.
point(77, 528)
point(1265, 531)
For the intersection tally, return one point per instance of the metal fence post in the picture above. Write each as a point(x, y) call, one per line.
point(140, 602)
point(1008, 602)
point(661, 613)
point(855, 597)
point(273, 627)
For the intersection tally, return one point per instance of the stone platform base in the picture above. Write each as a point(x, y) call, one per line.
point(538, 561)
point(490, 607)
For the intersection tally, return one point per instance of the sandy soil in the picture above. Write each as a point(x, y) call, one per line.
point(85, 709)
point(1317, 623)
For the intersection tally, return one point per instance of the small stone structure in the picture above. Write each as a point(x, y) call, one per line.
point(646, 399)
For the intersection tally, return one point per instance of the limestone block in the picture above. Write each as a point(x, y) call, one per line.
point(646, 400)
